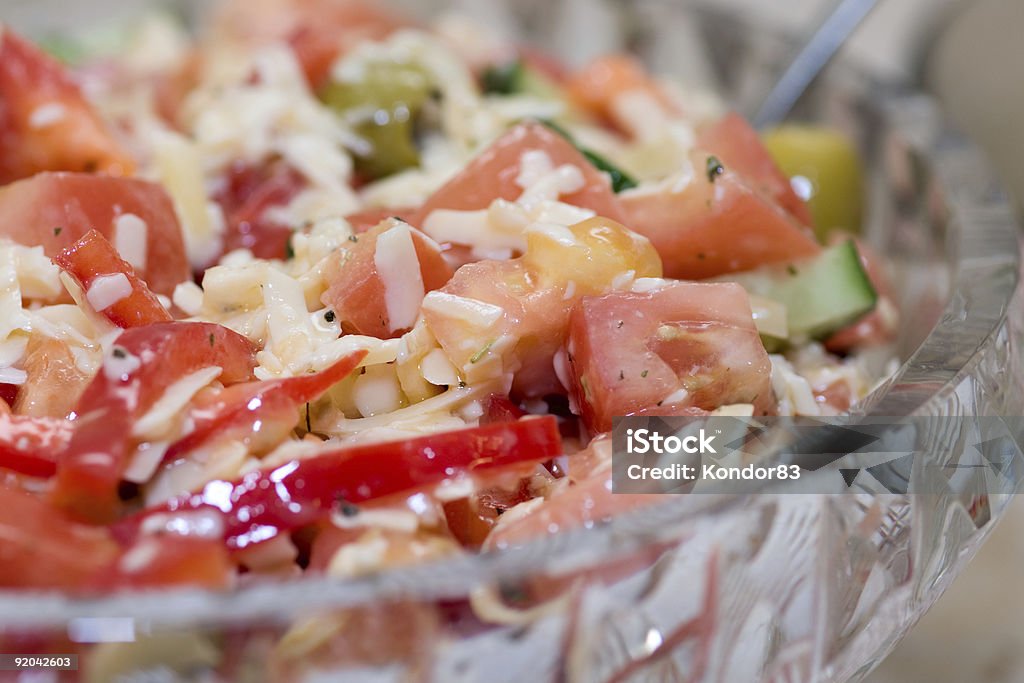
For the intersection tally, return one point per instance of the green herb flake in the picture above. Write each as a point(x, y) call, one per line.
point(644, 373)
point(714, 168)
point(289, 250)
point(118, 352)
point(791, 269)
point(621, 180)
point(211, 340)
point(353, 238)
point(478, 356)
point(57, 231)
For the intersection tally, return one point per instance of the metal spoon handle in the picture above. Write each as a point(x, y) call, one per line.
point(819, 50)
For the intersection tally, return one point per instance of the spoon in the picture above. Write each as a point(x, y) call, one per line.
point(840, 23)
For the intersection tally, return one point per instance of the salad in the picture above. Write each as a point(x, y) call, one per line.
point(327, 290)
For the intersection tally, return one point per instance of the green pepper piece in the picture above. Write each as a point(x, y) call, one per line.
point(383, 107)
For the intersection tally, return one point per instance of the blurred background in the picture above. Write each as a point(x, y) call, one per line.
point(970, 54)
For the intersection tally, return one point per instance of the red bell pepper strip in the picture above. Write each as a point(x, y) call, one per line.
point(29, 445)
point(142, 364)
point(237, 409)
point(92, 258)
point(265, 503)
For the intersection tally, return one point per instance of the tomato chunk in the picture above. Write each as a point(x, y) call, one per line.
point(236, 410)
point(45, 122)
point(42, 548)
point(250, 192)
point(54, 381)
point(366, 219)
point(713, 223)
point(373, 286)
point(319, 31)
point(94, 264)
point(29, 445)
point(740, 149)
point(168, 560)
point(492, 175)
point(143, 363)
point(517, 311)
point(683, 346)
point(55, 210)
point(596, 88)
point(266, 503)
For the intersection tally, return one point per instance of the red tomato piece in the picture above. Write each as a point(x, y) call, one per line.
point(684, 346)
point(45, 122)
point(740, 149)
point(595, 88)
point(319, 31)
point(492, 175)
point(9, 395)
point(333, 28)
point(498, 408)
point(144, 362)
point(250, 192)
point(715, 224)
point(168, 560)
point(93, 258)
point(29, 445)
point(358, 294)
point(363, 221)
point(44, 549)
point(266, 503)
point(55, 210)
point(588, 500)
point(54, 382)
point(236, 409)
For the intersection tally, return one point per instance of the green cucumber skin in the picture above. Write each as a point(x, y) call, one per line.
point(821, 295)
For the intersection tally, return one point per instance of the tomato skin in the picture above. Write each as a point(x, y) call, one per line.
point(31, 210)
point(249, 193)
point(596, 87)
point(365, 220)
point(319, 31)
point(29, 445)
point(629, 351)
point(588, 500)
point(89, 470)
point(714, 225)
point(54, 382)
point(739, 148)
point(304, 492)
point(356, 292)
point(93, 257)
point(499, 409)
point(236, 409)
point(44, 549)
point(492, 175)
point(76, 141)
point(168, 560)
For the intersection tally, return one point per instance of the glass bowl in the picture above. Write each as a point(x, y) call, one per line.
point(714, 587)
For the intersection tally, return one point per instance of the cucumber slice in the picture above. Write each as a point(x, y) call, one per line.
point(821, 295)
